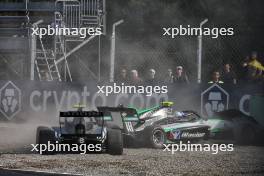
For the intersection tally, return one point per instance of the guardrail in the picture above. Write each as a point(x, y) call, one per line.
point(31, 6)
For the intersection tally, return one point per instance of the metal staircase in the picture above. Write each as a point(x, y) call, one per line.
point(45, 65)
point(44, 60)
point(60, 48)
point(68, 14)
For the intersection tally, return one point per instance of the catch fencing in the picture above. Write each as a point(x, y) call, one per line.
point(162, 54)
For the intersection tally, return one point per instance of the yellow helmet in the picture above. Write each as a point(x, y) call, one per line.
point(167, 103)
point(79, 106)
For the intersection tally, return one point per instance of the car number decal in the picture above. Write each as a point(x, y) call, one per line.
point(129, 126)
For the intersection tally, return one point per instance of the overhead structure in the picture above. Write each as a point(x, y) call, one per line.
point(51, 63)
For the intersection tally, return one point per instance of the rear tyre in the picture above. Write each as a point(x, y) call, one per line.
point(114, 142)
point(44, 136)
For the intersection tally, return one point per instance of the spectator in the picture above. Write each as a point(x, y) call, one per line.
point(244, 71)
point(169, 77)
point(255, 66)
point(254, 61)
point(252, 68)
point(122, 78)
point(151, 78)
point(180, 77)
point(135, 79)
point(228, 75)
point(216, 78)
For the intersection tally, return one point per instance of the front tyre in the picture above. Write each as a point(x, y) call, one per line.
point(157, 138)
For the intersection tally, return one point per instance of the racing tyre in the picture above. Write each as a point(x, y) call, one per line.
point(45, 135)
point(157, 138)
point(114, 142)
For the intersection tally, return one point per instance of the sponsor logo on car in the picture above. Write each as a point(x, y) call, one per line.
point(129, 126)
point(192, 135)
point(182, 134)
point(124, 114)
point(177, 134)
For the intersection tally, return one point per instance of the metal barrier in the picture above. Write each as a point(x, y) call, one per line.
point(92, 13)
point(52, 49)
point(70, 13)
point(90, 7)
point(85, 12)
point(76, 14)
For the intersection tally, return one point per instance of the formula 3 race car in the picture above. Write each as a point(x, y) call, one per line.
point(159, 125)
point(83, 127)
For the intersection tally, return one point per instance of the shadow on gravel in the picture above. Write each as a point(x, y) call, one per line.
point(16, 172)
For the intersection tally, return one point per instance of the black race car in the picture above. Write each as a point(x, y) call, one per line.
point(83, 127)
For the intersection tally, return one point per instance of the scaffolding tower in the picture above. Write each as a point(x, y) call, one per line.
point(51, 63)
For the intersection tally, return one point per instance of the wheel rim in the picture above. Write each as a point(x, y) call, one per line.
point(158, 137)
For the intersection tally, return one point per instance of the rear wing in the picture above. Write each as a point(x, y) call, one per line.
point(124, 117)
point(69, 119)
point(81, 114)
point(128, 114)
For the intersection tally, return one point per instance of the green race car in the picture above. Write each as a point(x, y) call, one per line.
point(158, 125)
